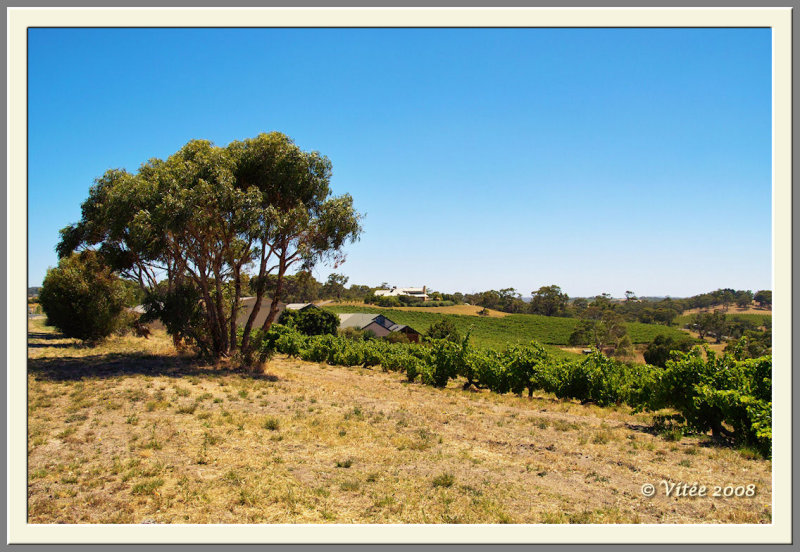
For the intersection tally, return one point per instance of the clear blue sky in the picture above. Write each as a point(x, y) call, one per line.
point(599, 160)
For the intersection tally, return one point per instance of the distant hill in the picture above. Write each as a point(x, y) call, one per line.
point(34, 291)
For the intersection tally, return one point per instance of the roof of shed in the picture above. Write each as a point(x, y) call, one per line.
point(361, 320)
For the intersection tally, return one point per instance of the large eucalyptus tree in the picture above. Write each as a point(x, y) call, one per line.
point(204, 216)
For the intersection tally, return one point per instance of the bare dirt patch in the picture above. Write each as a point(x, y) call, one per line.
point(467, 310)
point(733, 309)
point(131, 433)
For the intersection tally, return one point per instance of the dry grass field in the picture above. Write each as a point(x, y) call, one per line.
point(129, 432)
point(733, 309)
point(466, 310)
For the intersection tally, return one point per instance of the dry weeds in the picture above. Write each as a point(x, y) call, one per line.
point(131, 433)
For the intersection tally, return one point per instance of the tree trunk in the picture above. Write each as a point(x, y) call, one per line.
point(257, 306)
point(211, 320)
point(222, 330)
point(237, 287)
point(273, 307)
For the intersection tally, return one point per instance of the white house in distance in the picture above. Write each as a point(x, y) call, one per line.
point(397, 291)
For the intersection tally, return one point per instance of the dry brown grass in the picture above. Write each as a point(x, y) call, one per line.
point(468, 310)
point(733, 309)
point(130, 433)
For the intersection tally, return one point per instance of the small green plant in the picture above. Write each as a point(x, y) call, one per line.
point(444, 480)
point(147, 487)
point(349, 485)
point(271, 424)
point(187, 409)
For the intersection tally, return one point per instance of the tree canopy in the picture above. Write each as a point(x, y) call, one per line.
point(205, 216)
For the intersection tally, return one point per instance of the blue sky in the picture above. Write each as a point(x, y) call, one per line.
point(600, 160)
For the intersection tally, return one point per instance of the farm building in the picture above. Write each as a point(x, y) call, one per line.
point(248, 303)
point(409, 291)
point(377, 324)
point(300, 306)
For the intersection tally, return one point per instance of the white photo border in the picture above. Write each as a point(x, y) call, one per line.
point(20, 19)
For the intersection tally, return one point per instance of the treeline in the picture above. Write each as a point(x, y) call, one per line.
point(728, 395)
point(552, 301)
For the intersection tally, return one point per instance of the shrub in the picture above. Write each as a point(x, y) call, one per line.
point(444, 480)
point(444, 329)
point(522, 363)
point(388, 302)
point(126, 322)
point(353, 333)
point(289, 342)
point(662, 346)
point(447, 361)
point(719, 390)
point(310, 321)
point(272, 424)
point(489, 371)
point(373, 352)
point(82, 297)
point(396, 337)
point(180, 310)
point(412, 367)
point(752, 344)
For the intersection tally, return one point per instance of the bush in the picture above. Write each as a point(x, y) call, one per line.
point(126, 322)
point(659, 350)
point(444, 329)
point(396, 337)
point(388, 302)
point(180, 310)
point(353, 333)
point(82, 297)
point(310, 321)
point(752, 344)
point(522, 365)
point(719, 390)
point(448, 360)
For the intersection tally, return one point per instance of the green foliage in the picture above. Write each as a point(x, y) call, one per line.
point(82, 297)
point(389, 301)
point(354, 333)
point(334, 286)
point(396, 337)
point(606, 332)
point(549, 301)
point(752, 344)
point(719, 390)
point(506, 300)
point(179, 309)
point(444, 329)
point(729, 395)
point(596, 378)
point(660, 349)
point(523, 366)
point(310, 321)
point(496, 332)
point(763, 298)
point(205, 213)
point(436, 304)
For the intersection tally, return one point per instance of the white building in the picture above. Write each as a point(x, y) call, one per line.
point(397, 291)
